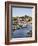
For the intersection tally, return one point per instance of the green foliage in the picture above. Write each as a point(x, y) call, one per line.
point(26, 16)
point(18, 27)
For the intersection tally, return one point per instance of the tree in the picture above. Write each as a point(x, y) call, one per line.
point(26, 16)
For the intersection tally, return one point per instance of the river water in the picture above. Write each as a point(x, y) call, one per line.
point(21, 33)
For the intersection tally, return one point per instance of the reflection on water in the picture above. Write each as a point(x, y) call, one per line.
point(23, 32)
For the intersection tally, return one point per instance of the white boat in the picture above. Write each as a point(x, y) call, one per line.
point(24, 25)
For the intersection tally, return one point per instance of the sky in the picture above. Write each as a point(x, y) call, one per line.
point(21, 11)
